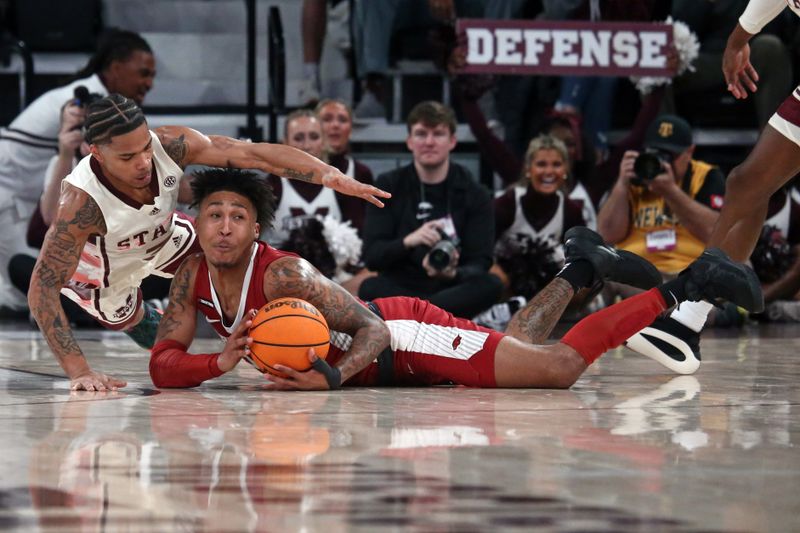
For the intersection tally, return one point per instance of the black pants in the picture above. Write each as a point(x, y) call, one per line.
point(465, 298)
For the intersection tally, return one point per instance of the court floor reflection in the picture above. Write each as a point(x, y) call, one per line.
point(629, 448)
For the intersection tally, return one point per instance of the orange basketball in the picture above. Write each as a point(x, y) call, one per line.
point(283, 331)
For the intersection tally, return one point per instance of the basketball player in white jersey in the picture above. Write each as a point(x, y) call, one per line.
point(116, 222)
point(775, 159)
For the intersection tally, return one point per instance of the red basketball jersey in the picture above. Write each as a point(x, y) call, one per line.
point(252, 297)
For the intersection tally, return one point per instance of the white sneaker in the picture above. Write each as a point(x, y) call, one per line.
point(670, 343)
point(499, 315)
point(370, 107)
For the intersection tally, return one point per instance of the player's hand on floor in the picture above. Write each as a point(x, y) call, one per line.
point(96, 381)
point(237, 345)
point(318, 377)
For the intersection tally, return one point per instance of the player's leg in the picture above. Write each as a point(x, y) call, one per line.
point(674, 341)
point(518, 364)
point(774, 160)
point(588, 262)
point(712, 276)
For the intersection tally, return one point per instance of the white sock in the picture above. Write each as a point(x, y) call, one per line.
point(692, 314)
point(311, 72)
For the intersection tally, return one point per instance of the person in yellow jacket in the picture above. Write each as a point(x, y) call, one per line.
point(663, 207)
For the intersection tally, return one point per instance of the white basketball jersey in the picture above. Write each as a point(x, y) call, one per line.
point(136, 233)
point(552, 231)
point(782, 218)
point(293, 209)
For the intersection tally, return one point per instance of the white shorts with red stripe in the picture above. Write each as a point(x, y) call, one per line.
point(787, 118)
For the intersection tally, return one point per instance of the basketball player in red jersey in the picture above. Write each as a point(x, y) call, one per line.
point(775, 159)
point(399, 340)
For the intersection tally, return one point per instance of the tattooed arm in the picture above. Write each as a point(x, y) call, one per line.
point(78, 217)
point(187, 146)
point(294, 277)
point(180, 316)
point(170, 364)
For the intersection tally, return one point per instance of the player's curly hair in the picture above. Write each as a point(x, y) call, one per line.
point(246, 183)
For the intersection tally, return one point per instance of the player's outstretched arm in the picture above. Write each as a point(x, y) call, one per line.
point(295, 277)
point(187, 146)
point(78, 217)
point(170, 364)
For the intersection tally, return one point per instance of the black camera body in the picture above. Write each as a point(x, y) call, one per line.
point(648, 165)
point(442, 252)
point(82, 96)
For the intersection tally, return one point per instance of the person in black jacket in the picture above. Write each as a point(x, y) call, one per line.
point(434, 239)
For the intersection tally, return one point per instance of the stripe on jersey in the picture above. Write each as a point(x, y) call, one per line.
point(433, 339)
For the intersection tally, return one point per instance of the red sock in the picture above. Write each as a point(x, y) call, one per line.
point(610, 327)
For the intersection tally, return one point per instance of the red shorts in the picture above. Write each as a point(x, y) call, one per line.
point(429, 347)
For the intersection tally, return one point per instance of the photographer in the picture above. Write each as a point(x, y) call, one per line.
point(434, 238)
point(664, 204)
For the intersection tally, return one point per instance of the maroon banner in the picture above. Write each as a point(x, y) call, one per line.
point(580, 48)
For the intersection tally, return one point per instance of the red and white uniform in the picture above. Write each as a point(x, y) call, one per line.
point(429, 345)
point(758, 14)
point(140, 240)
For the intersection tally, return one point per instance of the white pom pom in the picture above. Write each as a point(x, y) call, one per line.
point(687, 47)
point(343, 242)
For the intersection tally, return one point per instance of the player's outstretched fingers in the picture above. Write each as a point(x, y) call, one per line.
point(238, 344)
point(95, 381)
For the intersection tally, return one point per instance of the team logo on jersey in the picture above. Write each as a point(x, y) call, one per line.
point(155, 211)
point(123, 311)
point(170, 181)
point(205, 302)
point(456, 342)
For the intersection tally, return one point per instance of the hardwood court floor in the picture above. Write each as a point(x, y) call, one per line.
point(629, 448)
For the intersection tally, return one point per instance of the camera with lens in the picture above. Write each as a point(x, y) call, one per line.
point(442, 252)
point(648, 165)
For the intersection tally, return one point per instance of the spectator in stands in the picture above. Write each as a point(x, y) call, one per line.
point(665, 203)
point(324, 27)
point(374, 25)
point(435, 202)
point(713, 21)
point(591, 97)
point(337, 126)
point(531, 218)
point(336, 118)
point(123, 63)
point(298, 200)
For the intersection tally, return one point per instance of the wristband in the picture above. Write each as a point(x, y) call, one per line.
point(332, 374)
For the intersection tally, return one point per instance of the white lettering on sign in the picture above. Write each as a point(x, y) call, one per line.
point(480, 46)
point(595, 48)
point(652, 43)
point(563, 43)
point(626, 53)
point(508, 42)
point(546, 47)
point(534, 45)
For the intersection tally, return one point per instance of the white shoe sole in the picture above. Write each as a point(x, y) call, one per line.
point(639, 343)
